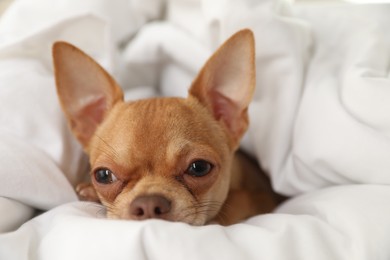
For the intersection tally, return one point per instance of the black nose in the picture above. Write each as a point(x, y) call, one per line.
point(150, 206)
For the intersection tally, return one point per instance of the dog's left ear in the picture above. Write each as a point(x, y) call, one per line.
point(226, 83)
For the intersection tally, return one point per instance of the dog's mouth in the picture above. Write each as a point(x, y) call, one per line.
point(157, 206)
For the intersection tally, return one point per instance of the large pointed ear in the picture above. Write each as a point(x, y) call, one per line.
point(226, 83)
point(86, 91)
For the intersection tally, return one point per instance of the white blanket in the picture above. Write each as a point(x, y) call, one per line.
point(320, 125)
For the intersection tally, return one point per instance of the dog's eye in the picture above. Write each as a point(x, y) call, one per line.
point(199, 168)
point(104, 176)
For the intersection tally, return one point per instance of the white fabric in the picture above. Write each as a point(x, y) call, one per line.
point(319, 118)
point(323, 225)
point(342, 130)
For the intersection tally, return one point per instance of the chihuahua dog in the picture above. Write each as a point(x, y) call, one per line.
point(168, 158)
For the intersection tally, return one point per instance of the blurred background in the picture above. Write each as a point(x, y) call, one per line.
point(5, 3)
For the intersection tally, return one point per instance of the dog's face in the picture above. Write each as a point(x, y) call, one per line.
point(165, 158)
point(166, 148)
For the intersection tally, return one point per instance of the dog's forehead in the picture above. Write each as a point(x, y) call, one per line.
point(162, 118)
point(155, 127)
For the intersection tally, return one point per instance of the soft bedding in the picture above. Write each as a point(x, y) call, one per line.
point(320, 126)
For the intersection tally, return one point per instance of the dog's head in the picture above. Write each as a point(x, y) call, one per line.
point(165, 158)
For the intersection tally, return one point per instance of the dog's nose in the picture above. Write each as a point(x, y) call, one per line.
point(150, 206)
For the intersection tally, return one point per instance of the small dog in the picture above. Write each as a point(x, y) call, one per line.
point(167, 158)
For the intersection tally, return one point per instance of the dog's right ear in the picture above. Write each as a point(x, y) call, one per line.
point(86, 91)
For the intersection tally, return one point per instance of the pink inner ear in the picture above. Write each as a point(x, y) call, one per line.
point(94, 110)
point(86, 119)
point(226, 110)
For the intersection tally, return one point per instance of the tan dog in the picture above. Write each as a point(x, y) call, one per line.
point(167, 158)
